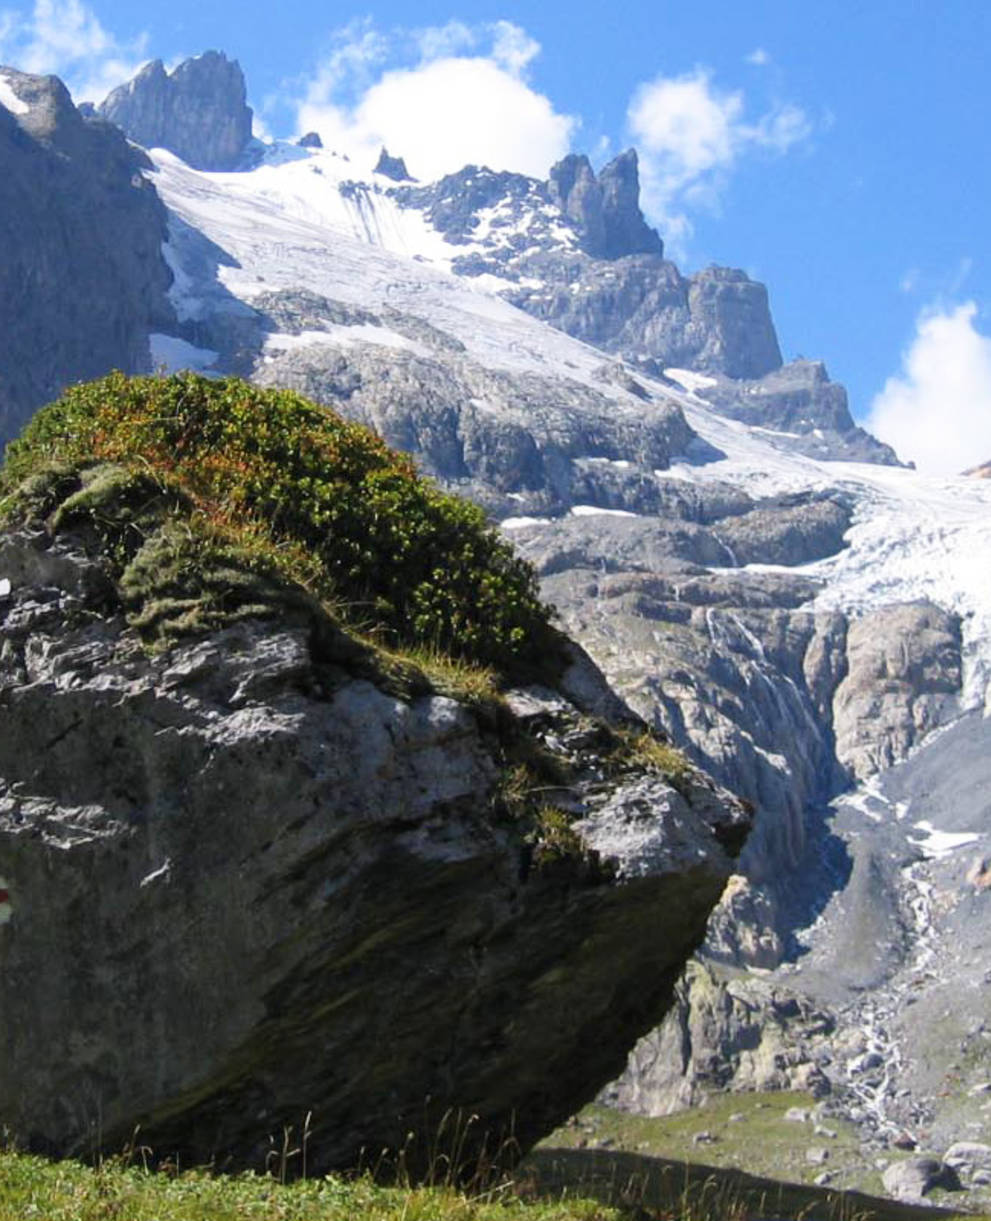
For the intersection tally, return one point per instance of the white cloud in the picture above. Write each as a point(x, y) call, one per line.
point(937, 412)
point(758, 57)
point(512, 47)
point(691, 134)
point(66, 38)
point(779, 130)
point(443, 41)
point(442, 111)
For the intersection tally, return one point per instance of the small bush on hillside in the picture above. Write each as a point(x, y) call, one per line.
point(201, 489)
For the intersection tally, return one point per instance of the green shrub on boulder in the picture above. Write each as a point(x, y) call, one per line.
point(212, 498)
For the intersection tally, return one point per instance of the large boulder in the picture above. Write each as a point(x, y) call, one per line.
point(273, 870)
point(915, 1177)
point(263, 887)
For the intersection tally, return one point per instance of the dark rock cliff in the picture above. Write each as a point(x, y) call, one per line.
point(82, 279)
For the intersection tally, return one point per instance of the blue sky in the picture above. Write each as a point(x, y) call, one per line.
point(836, 151)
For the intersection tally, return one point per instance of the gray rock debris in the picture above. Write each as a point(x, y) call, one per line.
point(262, 887)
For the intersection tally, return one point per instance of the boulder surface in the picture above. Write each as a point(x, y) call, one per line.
point(264, 884)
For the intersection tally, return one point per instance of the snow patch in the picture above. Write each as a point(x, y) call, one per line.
point(175, 354)
point(182, 291)
point(517, 523)
point(595, 511)
point(344, 336)
point(938, 844)
point(9, 98)
point(4, 587)
point(689, 380)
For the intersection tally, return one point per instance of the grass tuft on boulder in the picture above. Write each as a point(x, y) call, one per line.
point(212, 500)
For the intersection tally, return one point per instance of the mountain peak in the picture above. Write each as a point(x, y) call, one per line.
point(606, 208)
point(392, 167)
point(198, 111)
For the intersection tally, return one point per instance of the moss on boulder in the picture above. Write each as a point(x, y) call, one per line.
point(213, 500)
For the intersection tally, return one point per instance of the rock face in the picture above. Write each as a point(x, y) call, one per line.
point(511, 441)
point(742, 1034)
point(264, 886)
point(579, 255)
point(903, 668)
point(799, 401)
point(82, 278)
point(390, 167)
point(725, 661)
point(197, 111)
point(605, 209)
point(641, 307)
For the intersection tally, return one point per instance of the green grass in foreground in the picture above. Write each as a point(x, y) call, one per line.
point(32, 1187)
point(746, 1131)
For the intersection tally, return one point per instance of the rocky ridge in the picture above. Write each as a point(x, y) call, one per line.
point(197, 111)
point(574, 251)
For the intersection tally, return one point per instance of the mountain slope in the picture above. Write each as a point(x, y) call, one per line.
point(801, 622)
point(796, 623)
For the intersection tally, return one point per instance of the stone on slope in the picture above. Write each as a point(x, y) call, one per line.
point(247, 881)
point(915, 1177)
point(968, 1157)
point(197, 111)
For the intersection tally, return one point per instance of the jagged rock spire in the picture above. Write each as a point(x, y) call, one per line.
point(198, 111)
point(607, 208)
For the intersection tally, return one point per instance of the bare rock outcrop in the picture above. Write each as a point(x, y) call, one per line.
point(734, 1032)
point(197, 111)
point(264, 884)
point(515, 442)
point(904, 667)
point(809, 413)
